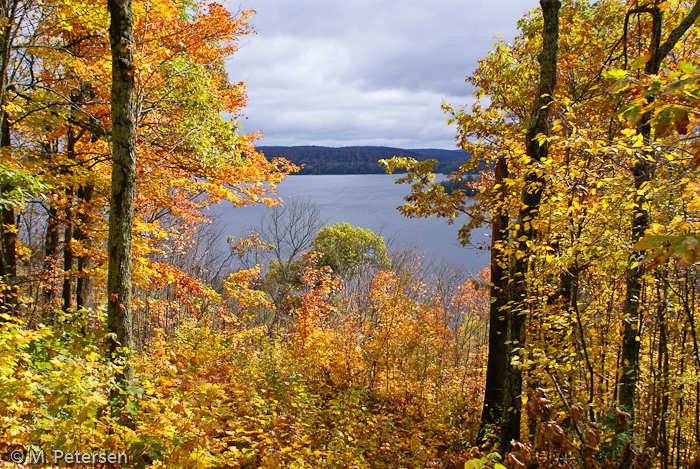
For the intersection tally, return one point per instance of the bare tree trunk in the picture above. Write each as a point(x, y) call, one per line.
point(121, 206)
point(526, 224)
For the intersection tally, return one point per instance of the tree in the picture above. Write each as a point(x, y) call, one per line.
point(578, 255)
point(527, 223)
point(11, 14)
point(642, 174)
point(498, 325)
point(63, 122)
point(285, 232)
point(121, 205)
point(346, 249)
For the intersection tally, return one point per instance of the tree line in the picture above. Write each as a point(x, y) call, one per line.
point(359, 159)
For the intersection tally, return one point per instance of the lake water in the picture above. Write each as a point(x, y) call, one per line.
point(368, 201)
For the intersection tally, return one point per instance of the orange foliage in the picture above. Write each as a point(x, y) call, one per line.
point(189, 154)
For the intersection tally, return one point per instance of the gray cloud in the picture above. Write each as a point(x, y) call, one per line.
point(364, 72)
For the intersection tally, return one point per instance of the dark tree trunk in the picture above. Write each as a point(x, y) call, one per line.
point(642, 172)
point(640, 222)
point(83, 284)
point(121, 205)
point(526, 224)
point(8, 259)
point(498, 327)
point(8, 268)
point(659, 431)
point(68, 256)
point(50, 258)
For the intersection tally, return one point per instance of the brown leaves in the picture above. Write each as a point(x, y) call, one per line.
point(520, 457)
point(540, 407)
point(512, 461)
point(670, 119)
point(592, 434)
point(621, 420)
point(553, 437)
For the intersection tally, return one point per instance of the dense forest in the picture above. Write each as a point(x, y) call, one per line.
point(360, 160)
point(126, 340)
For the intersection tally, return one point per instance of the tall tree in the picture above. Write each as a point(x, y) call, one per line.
point(498, 326)
point(642, 173)
point(8, 261)
point(526, 226)
point(578, 260)
point(121, 204)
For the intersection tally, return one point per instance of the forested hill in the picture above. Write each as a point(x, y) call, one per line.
point(359, 160)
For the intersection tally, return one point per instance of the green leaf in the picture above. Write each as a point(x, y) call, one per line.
point(687, 67)
point(615, 74)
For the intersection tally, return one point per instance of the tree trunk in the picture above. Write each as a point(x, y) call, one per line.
point(8, 268)
point(68, 254)
point(8, 259)
point(68, 257)
point(82, 288)
point(526, 224)
point(642, 171)
point(498, 327)
point(121, 206)
point(50, 258)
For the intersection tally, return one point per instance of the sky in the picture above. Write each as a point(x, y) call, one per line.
point(364, 72)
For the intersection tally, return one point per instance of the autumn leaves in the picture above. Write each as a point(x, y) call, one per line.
point(595, 243)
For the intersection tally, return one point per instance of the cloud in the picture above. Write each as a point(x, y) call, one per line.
point(364, 72)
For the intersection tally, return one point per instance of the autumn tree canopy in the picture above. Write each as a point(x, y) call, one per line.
point(602, 286)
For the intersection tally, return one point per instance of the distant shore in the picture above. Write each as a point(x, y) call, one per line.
point(360, 159)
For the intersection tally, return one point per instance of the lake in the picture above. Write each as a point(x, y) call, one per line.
point(368, 201)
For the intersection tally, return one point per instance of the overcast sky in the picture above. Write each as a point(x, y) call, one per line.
point(364, 72)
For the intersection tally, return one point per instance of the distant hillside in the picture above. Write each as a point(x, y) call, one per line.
point(359, 160)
